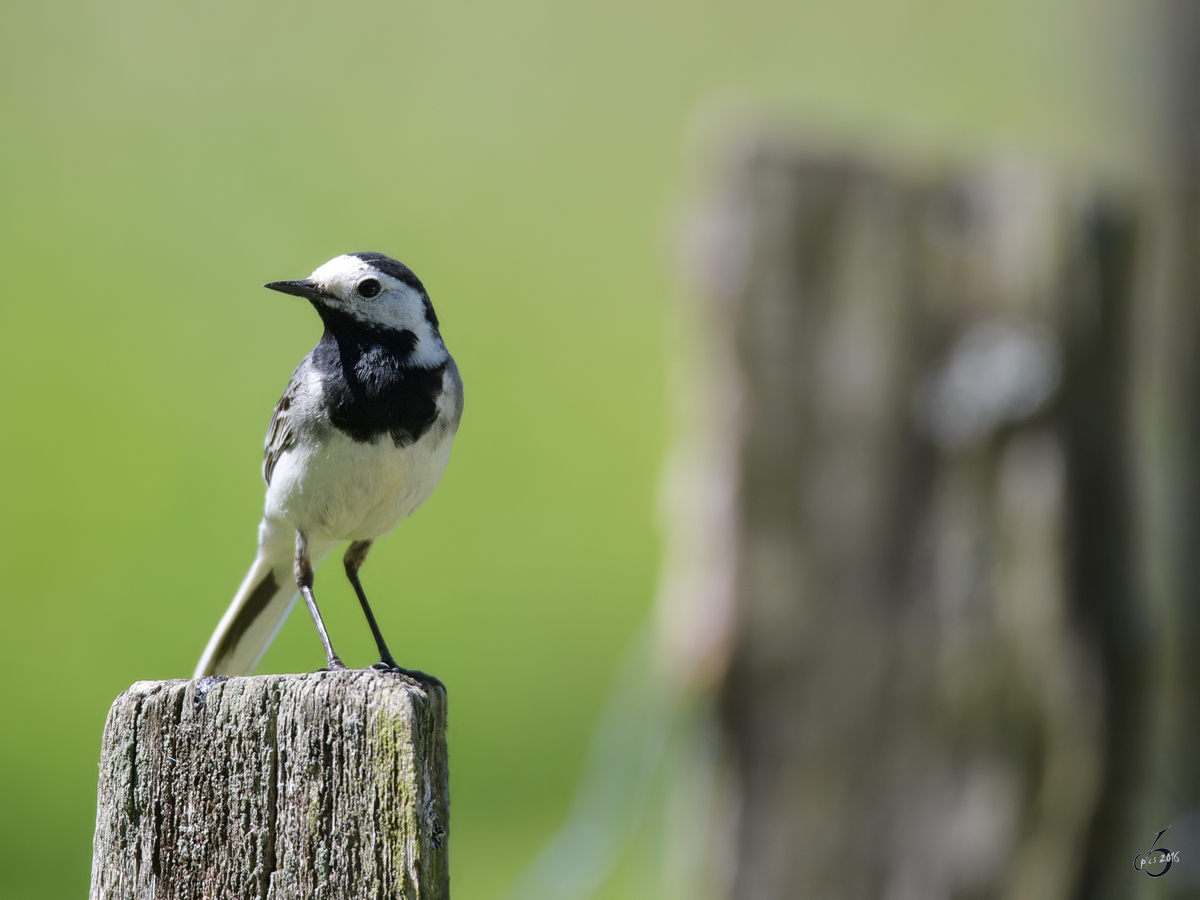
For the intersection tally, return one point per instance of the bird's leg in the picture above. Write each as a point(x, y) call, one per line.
point(304, 581)
point(355, 555)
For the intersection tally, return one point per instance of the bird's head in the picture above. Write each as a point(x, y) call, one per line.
point(372, 292)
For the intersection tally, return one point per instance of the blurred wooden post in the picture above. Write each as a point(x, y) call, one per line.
point(329, 785)
point(1176, 429)
point(936, 649)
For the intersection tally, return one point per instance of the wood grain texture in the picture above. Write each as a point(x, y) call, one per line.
point(330, 785)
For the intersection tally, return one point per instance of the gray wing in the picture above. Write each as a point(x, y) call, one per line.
point(456, 391)
point(280, 433)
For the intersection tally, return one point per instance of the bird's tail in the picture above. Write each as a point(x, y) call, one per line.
point(255, 616)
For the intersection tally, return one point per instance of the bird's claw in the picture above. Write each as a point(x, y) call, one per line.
point(415, 674)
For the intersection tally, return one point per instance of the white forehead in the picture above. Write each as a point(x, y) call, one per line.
point(346, 272)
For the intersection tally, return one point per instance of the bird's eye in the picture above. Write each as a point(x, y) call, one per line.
point(368, 287)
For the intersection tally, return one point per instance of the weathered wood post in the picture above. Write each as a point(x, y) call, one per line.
point(330, 785)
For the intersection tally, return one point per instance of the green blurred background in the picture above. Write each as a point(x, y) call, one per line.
point(160, 161)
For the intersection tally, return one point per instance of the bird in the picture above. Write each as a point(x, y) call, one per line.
point(359, 440)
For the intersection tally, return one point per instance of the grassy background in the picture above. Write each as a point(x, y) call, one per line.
point(160, 161)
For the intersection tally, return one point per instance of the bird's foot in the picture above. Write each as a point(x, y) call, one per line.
point(333, 664)
point(389, 665)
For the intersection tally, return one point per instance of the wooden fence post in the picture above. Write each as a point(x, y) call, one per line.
point(330, 785)
point(919, 613)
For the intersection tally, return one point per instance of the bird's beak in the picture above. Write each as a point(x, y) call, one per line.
point(304, 289)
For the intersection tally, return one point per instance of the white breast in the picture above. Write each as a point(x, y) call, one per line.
point(335, 489)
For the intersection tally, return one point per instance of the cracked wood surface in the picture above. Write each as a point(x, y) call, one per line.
point(330, 785)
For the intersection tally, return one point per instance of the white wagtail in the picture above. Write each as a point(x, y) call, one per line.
point(358, 441)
